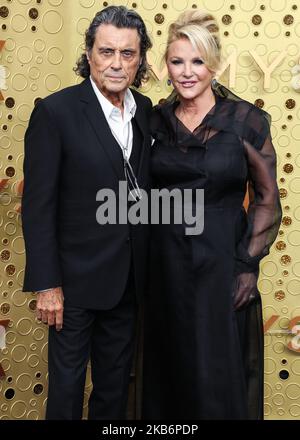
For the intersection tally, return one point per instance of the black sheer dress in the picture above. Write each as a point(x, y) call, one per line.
point(203, 359)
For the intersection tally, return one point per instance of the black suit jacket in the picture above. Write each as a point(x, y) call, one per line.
point(70, 154)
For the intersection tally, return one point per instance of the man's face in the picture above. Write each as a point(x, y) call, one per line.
point(114, 59)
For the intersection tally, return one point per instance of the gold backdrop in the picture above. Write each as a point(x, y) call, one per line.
point(40, 41)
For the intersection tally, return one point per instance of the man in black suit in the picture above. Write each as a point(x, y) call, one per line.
point(89, 277)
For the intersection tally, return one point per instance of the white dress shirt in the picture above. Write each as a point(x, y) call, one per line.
point(120, 125)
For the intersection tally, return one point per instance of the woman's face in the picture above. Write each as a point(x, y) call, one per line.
point(187, 71)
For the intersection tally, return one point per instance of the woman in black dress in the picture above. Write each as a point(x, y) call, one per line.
point(203, 347)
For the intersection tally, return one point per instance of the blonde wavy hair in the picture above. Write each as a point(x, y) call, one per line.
point(202, 30)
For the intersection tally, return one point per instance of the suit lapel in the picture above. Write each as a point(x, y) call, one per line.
point(140, 117)
point(96, 118)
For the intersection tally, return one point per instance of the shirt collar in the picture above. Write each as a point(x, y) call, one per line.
point(108, 108)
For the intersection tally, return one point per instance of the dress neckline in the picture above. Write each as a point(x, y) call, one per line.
point(179, 126)
point(230, 114)
point(210, 113)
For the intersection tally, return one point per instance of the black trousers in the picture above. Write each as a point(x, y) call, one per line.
point(107, 338)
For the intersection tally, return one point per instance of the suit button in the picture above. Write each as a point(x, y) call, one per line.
point(128, 239)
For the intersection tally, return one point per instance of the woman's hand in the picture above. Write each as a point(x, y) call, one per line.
point(245, 289)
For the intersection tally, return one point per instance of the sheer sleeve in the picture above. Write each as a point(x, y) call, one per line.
point(264, 211)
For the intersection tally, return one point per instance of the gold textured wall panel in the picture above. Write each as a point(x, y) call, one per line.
point(40, 41)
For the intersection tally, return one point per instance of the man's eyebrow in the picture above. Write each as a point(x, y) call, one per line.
point(127, 49)
point(105, 48)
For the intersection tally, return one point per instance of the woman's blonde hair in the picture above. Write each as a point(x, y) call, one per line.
point(202, 30)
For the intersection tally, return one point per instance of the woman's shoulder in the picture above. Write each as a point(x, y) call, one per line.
point(156, 114)
point(162, 111)
point(250, 113)
point(239, 108)
point(240, 116)
point(162, 115)
point(163, 106)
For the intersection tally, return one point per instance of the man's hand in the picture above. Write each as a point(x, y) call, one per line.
point(50, 307)
point(245, 290)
